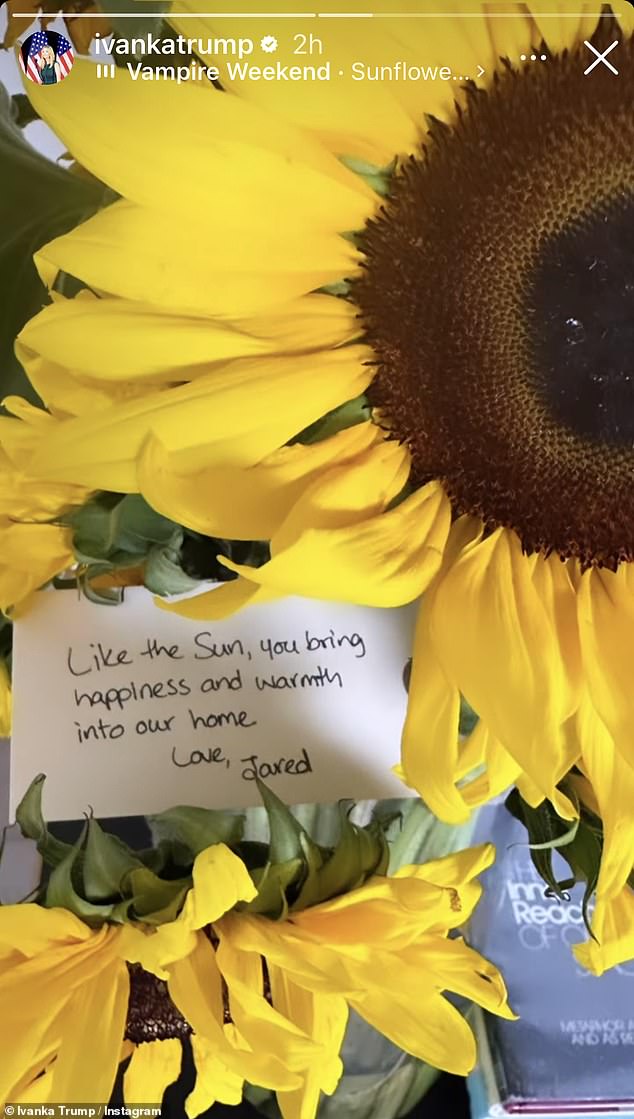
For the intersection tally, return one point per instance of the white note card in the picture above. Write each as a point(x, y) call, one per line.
point(130, 710)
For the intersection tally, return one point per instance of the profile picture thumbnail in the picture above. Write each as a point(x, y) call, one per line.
point(46, 57)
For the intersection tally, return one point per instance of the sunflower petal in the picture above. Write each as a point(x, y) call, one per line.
point(516, 680)
point(221, 880)
point(236, 415)
point(322, 1017)
point(606, 621)
point(243, 504)
point(112, 132)
point(116, 340)
point(386, 560)
point(430, 746)
point(96, 1010)
point(118, 252)
point(153, 1067)
point(215, 1083)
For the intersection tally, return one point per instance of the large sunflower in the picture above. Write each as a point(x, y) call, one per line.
point(461, 251)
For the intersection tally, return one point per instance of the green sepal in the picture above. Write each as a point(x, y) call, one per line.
point(546, 832)
point(61, 889)
point(31, 822)
point(378, 178)
point(347, 415)
point(288, 839)
point(358, 854)
point(468, 718)
point(274, 882)
point(162, 573)
point(118, 533)
point(153, 899)
point(107, 860)
point(188, 831)
point(579, 844)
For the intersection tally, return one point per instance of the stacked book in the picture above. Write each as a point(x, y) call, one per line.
point(572, 1051)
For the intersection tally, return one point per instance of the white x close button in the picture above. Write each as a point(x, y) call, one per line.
point(601, 56)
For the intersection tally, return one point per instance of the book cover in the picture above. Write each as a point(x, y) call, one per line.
point(572, 1050)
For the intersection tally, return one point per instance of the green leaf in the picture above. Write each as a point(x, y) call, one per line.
point(194, 829)
point(29, 817)
point(107, 860)
point(61, 888)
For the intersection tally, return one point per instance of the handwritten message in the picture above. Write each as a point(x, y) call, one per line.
point(131, 710)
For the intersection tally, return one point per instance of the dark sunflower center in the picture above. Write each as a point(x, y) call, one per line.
point(582, 309)
point(152, 1015)
point(498, 296)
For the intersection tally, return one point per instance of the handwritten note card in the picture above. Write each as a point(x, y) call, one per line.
point(131, 710)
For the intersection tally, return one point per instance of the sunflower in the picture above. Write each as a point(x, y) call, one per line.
point(384, 326)
point(256, 999)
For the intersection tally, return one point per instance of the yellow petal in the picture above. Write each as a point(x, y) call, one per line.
point(118, 252)
point(154, 1066)
point(310, 963)
point(215, 1083)
point(97, 1011)
point(195, 985)
point(385, 560)
point(606, 623)
point(458, 968)
point(112, 132)
point(359, 118)
point(383, 911)
point(32, 929)
point(32, 554)
point(613, 785)
point(457, 873)
point(322, 1017)
point(432, 1030)
point(157, 948)
point(219, 603)
point(430, 746)
point(5, 701)
point(500, 770)
point(221, 880)
point(115, 340)
point(613, 925)
point(243, 504)
point(236, 415)
point(508, 662)
point(559, 26)
point(264, 1028)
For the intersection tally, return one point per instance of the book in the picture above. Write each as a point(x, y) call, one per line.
point(572, 1051)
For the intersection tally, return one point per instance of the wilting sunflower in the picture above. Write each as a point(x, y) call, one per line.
point(255, 978)
point(461, 253)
